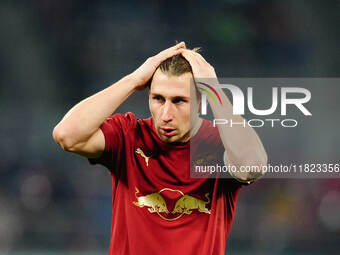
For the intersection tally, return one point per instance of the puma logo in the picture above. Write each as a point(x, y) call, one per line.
point(140, 152)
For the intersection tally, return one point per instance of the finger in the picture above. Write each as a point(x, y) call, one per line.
point(186, 54)
point(194, 59)
point(199, 59)
point(172, 51)
point(174, 48)
point(168, 54)
point(199, 56)
point(203, 62)
point(180, 45)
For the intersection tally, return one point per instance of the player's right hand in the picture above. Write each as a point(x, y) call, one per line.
point(144, 73)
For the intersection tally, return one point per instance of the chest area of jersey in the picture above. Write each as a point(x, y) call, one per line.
point(155, 161)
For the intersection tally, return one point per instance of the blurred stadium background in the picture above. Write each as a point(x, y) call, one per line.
point(55, 53)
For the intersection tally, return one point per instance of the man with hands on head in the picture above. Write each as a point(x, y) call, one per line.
point(157, 208)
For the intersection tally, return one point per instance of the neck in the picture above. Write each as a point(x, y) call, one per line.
point(195, 127)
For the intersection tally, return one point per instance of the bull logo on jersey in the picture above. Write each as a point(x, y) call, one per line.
point(188, 203)
point(181, 203)
point(154, 201)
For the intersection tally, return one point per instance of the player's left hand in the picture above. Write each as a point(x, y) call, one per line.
point(201, 69)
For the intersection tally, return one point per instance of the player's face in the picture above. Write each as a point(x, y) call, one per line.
point(169, 102)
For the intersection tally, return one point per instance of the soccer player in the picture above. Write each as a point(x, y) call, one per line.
point(157, 208)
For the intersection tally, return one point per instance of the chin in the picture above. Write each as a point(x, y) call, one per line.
point(172, 139)
point(168, 139)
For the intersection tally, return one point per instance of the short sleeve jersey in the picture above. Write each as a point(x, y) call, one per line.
point(156, 207)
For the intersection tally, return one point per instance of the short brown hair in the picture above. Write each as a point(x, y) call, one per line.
point(175, 66)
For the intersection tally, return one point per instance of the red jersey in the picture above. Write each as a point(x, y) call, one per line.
point(156, 207)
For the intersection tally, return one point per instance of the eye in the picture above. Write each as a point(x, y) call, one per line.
point(158, 98)
point(178, 100)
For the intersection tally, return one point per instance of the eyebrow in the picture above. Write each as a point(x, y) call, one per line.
point(173, 97)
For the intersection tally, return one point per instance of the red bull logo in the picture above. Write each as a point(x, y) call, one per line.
point(181, 203)
point(154, 201)
point(188, 203)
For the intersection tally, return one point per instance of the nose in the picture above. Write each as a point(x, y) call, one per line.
point(167, 112)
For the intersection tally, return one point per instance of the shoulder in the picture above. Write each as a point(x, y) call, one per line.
point(208, 132)
point(121, 121)
point(120, 117)
point(129, 124)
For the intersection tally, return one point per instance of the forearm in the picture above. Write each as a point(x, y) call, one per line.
point(85, 118)
point(241, 143)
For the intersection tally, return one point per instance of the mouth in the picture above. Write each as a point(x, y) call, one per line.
point(167, 131)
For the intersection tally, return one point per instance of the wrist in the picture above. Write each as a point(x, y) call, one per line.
point(132, 81)
point(135, 81)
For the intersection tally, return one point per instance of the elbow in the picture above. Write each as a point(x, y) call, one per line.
point(250, 166)
point(254, 159)
point(62, 137)
point(262, 159)
point(258, 166)
point(253, 168)
point(257, 159)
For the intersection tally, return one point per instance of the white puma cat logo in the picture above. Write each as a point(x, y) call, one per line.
point(139, 151)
